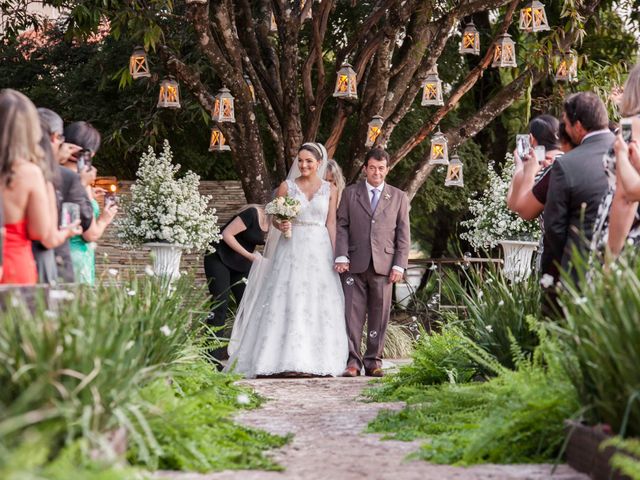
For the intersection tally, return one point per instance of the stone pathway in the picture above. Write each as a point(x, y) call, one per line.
point(328, 420)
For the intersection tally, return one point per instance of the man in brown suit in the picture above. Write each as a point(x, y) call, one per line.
point(372, 250)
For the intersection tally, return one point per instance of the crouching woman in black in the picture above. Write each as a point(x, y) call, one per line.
point(228, 267)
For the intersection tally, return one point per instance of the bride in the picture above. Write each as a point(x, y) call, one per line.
point(291, 318)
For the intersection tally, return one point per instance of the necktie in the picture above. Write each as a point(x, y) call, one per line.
point(374, 199)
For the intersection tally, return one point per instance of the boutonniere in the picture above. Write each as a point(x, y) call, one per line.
point(387, 196)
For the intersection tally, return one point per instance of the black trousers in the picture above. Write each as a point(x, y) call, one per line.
point(222, 281)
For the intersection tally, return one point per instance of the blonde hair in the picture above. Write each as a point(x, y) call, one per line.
point(20, 133)
point(338, 177)
point(630, 104)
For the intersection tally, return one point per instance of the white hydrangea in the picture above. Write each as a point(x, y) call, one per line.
point(491, 221)
point(165, 208)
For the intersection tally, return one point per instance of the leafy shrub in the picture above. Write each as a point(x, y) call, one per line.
point(437, 358)
point(79, 368)
point(193, 428)
point(601, 333)
point(516, 417)
point(627, 457)
point(496, 311)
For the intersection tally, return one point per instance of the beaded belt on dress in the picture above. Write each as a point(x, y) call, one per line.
point(307, 224)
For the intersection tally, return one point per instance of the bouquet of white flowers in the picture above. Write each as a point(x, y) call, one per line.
point(283, 208)
point(166, 209)
point(491, 221)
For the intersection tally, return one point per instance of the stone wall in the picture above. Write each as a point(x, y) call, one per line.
point(227, 198)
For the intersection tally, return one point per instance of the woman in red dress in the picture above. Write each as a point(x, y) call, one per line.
point(22, 186)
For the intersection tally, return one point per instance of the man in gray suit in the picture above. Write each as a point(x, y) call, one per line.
point(576, 186)
point(372, 251)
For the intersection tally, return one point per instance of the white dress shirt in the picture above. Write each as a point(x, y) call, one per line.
point(370, 189)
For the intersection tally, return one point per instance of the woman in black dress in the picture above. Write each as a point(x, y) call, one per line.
point(227, 268)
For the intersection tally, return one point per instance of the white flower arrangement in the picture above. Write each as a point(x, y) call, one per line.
point(491, 221)
point(283, 208)
point(163, 208)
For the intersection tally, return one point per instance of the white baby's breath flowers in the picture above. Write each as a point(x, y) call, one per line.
point(243, 399)
point(164, 208)
point(113, 272)
point(165, 330)
point(501, 303)
point(580, 301)
point(149, 270)
point(129, 345)
point(546, 281)
point(489, 328)
point(491, 221)
point(131, 293)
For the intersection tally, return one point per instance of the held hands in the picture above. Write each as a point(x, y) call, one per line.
point(341, 267)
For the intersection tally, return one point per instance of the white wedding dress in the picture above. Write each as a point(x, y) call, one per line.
point(297, 321)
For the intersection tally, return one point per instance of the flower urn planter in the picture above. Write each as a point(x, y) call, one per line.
point(517, 259)
point(583, 452)
point(166, 259)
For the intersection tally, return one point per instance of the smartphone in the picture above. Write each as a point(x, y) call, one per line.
point(522, 145)
point(70, 214)
point(110, 198)
point(84, 161)
point(625, 129)
point(540, 153)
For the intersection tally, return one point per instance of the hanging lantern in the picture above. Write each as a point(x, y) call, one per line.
point(273, 26)
point(373, 130)
point(252, 89)
point(169, 94)
point(567, 67)
point(432, 89)
point(470, 42)
point(439, 151)
point(454, 173)
point(138, 64)
point(533, 18)
point(218, 143)
point(223, 109)
point(504, 54)
point(346, 83)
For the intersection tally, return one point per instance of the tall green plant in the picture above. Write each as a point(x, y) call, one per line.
point(496, 311)
point(77, 368)
point(601, 333)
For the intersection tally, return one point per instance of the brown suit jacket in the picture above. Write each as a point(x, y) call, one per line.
point(363, 235)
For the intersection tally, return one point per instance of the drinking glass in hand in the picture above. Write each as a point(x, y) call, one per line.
point(70, 214)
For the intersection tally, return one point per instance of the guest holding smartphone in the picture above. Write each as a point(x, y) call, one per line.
point(227, 268)
point(87, 139)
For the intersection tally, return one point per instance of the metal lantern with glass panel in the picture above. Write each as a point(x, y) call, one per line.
point(138, 64)
point(533, 17)
point(432, 89)
point(223, 108)
point(169, 94)
point(439, 154)
point(470, 42)
point(454, 172)
point(218, 143)
point(373, 130)
point(251, 88)
point(567, 67)
point(346, 83)
point(504, 54)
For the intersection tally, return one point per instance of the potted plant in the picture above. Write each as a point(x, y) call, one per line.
point(492, 224)
point(167, 214)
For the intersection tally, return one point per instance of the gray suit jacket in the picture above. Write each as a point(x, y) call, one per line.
point(382, 236)
point(577, 184)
